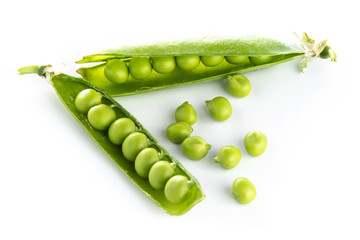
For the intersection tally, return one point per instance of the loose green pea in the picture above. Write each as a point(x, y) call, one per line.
point(177, 189)
point(255, 143)
point(120, 129)
point(260, 60)
point(228, 157)
point(237, 59)
point(238, 85)
point(144, 161)
point(178, 131)
point(243, 190)
point(163, 64)
point(186, 113)
point(219, 108)
point(140, 67)
point(133, 144)
point(101, 116)
point(187, 63)
point(116, 71)
point(86, 99)
point(195, 147)
point(211, 61)
point(159, 174)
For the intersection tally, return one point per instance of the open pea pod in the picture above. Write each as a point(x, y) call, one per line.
point(68, 88)
point(271, 52)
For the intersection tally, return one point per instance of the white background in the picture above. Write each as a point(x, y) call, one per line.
point(56, 183)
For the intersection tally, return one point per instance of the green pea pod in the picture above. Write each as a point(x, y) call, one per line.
point(258, 48)
point(68, 87)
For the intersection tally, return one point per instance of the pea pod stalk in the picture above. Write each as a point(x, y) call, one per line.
point(253, 47)
point(68, 87)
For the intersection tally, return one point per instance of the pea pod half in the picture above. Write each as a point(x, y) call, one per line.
point(241, 55)
point(68, 88)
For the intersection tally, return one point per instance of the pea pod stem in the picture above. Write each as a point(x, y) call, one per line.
point(314, 49)
point(30, 70)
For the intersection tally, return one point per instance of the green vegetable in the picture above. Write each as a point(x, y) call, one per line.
point(239, 60)
point(195, 148)
point(86, 99)
point(163, 64)
point(178, 131)
point(160, 173)
point(255, 143)
point(187, 63)
point(238, 85)
point(219, 108)
point(243, 190)
point(177, 189)
point(68, 88)
point(133, 144)
point(140, 67)
point(144, 161)
point(101, 116)
point(120, 129)
point(186, 113)
point(236, 50)
point(228, 157)
point(211, 61)
point(260, 60)
point(116, 71)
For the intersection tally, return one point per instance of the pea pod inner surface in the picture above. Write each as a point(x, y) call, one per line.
point(264, 52)
point(176, 78)
point(68, 87)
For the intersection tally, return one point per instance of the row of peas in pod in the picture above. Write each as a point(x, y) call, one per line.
point(135, 146)
point(120, 70)
point(195, 147)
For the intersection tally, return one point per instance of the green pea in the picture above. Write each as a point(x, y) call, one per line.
point(186, 113)
point(238, 85)
point(116, 71)
point(163, 64)
point(120, 129)
point(187, 63)
point(237, 59)
point(159, 174)
point(140, 67)
point(195, 148)
point(178, 131)
point(211, 61)
point(144, 161)
point(133, 144)
point(243, 190)
point(219, 108)
point(177, 189)
point(101, 116)
point(86, 99)
point(228, 157)
point(260, 60)
point(255, 143)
